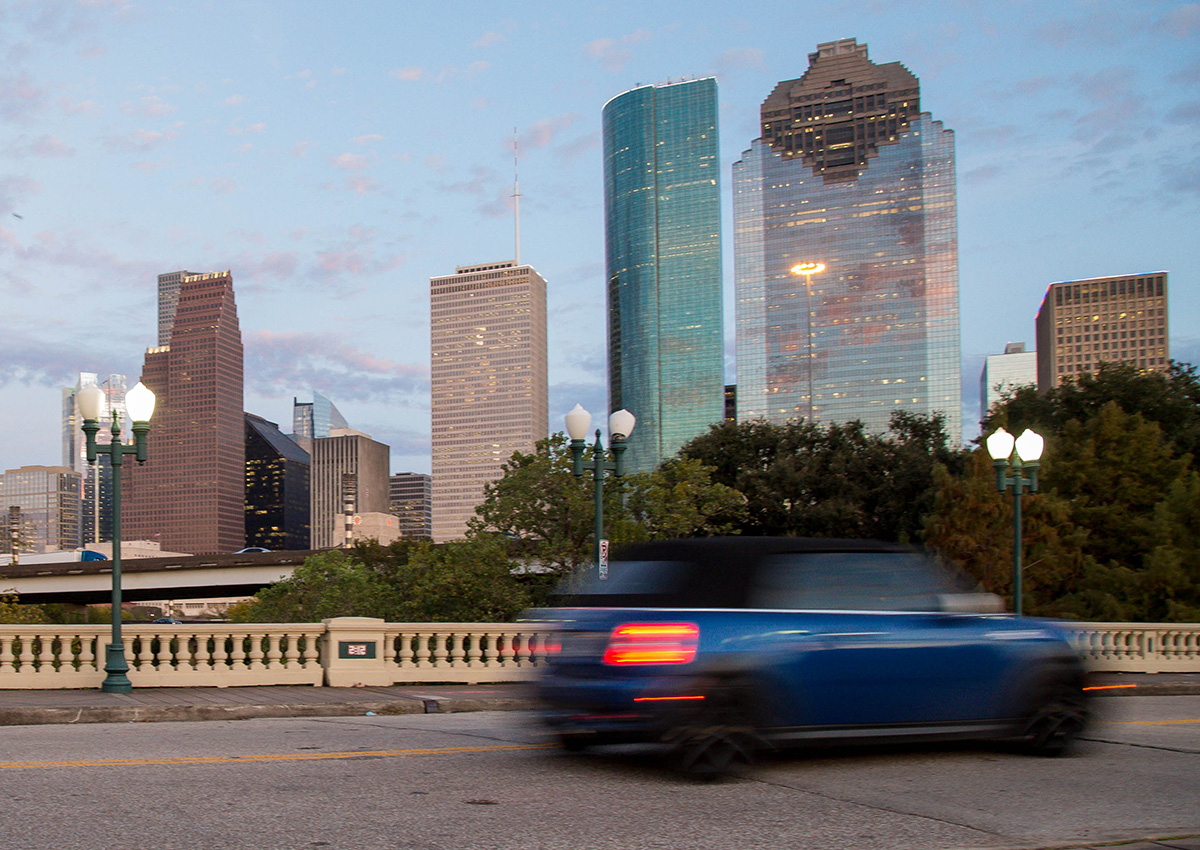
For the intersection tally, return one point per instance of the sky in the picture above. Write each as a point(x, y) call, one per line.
point(336, 156)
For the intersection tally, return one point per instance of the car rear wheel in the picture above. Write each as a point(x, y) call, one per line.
point(717, 737)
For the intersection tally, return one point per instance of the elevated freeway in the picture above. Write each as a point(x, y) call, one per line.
point(144, 579)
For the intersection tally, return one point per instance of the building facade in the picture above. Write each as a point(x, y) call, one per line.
point(489, 393)
point(850, 174)
point(277, 488)
point(41, 506)
point(190, 495)
point(1002, 373)
point(316, 418)
point(662, 225)
point(411, 501)
point(96, 516)
point(349, 477)
point(1118, 319)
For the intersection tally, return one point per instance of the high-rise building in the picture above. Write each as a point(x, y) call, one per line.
point(316, 418)
point(662, 224)
point(169, 285)
point(488, 381)
point(190, 496)
point(96, 517)
point(411, 501)
point(277, 488)
point(43, 506)
point(349, 477)
point(851, 175)
point(1117, 319)
point(1003, 373)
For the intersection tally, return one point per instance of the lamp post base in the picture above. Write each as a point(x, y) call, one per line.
point(116, 667)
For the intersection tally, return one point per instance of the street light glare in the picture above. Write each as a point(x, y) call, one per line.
point(807, 269)
point(139, 402)
point(1029, 446)
point(1000, 444)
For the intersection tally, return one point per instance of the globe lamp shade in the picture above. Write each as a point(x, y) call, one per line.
point(1000, 444)
point(620, 424)
point(139, 402)
point(1029, 446)
point(578, 422)
point(90, 400)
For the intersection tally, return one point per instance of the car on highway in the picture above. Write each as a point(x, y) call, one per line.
point(720, 647)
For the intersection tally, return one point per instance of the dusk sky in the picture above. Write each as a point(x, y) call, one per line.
point(335, 156)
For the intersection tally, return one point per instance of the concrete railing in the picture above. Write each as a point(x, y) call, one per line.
point(349, 651)
point(1139, 647)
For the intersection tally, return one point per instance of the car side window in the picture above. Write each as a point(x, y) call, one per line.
point(848, 581)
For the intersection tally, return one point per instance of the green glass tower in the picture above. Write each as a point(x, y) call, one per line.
point(662, 221)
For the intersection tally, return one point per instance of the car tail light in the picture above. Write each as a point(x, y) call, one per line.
point(652, 643)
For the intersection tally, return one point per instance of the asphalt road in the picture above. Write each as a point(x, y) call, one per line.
point(491, 780)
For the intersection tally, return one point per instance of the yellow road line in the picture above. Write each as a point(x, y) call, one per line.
point(24, 765)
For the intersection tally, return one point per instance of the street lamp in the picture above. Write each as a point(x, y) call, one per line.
point(620, 426)
point(139, 403)
point(1012, 459)
point(808, 270)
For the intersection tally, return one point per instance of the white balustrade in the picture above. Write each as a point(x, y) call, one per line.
point(1138, 647)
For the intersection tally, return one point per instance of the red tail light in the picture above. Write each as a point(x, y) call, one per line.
point(652, 643)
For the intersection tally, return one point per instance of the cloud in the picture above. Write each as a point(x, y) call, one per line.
point(542, 133)
point(580, 147)
point(368, 139)
point(1182, 21)
point(350, 162)
point(222, 185)
point(20, 97)
point(14, 189)
point(1188, 75)
point(407, 74)
point(302, 148)
point(239, 130)
point(328, 363)
point(1185, 113)
point(42, 146)
point(738, 58)
point(362, 184)
point(139, 141)
point(614, 54)
point(981, 175)
point(151, 106)
point(76, 108)
point(488, 39)
point(235, 100)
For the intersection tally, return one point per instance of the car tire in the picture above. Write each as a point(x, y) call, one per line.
point(718, 738)
point(1060, 715)
point(573, 743)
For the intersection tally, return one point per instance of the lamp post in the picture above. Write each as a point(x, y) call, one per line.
point(1013, 458)
point(139, 402)
point(808, 270)
point(620, 426)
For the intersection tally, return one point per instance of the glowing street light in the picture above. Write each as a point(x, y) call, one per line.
point(809, 269)
point(620, 426)
point(1012, 459)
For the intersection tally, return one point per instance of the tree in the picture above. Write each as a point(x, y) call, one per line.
point(327, 584)
point(680, 499)
point(462, 581)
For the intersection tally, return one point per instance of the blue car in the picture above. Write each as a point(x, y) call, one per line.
point(718, 647)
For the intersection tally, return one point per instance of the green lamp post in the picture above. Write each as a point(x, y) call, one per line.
point(620, 426)
point(139, 403)
point(1016, 461)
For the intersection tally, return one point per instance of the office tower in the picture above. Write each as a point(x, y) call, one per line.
point(1002, 373)
point(169, 285)
point(850, 175)
point(191, 494)
point(488, 381)
point(96, 516)
point(1117, 319)
point(314, 418)
point(411, 501)
point(662, 225)
point(277, 488)
point(349, 477)
point(43, 505)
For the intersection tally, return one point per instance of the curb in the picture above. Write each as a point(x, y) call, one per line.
point(43, 716)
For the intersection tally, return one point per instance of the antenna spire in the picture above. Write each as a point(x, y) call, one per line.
point(516, 196)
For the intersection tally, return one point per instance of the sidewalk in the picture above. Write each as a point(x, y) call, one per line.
point(30, 708)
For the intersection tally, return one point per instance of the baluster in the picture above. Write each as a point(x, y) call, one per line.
point(273, 653)
point(423, 650)
point(475, 652)
point(145, 656)
point(26, 657)
point(221, 650)
point(291, 654)
point(312, 650)
point(457, 653)
point(87, 653)
point(440, 652)
point(45, 661)
point(6, 654)
point(256, 651)
point(237, 656)
point(405, 659)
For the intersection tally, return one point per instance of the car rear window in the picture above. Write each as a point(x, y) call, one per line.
point(850, 581)
point(629, 583)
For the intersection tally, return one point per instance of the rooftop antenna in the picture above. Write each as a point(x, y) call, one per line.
point(516, 196)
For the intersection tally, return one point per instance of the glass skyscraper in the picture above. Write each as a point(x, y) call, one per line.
point(851, 174)
point(662, 220)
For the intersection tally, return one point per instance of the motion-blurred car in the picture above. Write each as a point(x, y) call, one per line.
point(720, 646)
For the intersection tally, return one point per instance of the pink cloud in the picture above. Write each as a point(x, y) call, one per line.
point(151, 106)
point(42, 146)
point(139, 141)
point(407, 74)
point(362, 185)
point(302, 148)
point(20, 97)
point(611, 53)
point(488, 39)
point(543, 132)
point(370, 138)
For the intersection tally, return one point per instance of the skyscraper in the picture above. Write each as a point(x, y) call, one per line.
point(662, 224)
point(46, 500)
point(848, 173)
point(349, 476)
point(488, 381)
point(411, 502)
point(1003, 373)
point(277, 488)
point(1118, 319)
point(96, 516)
point(190, 495)
point(316, 418)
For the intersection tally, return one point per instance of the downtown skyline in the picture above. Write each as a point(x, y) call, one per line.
point(334, 165)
